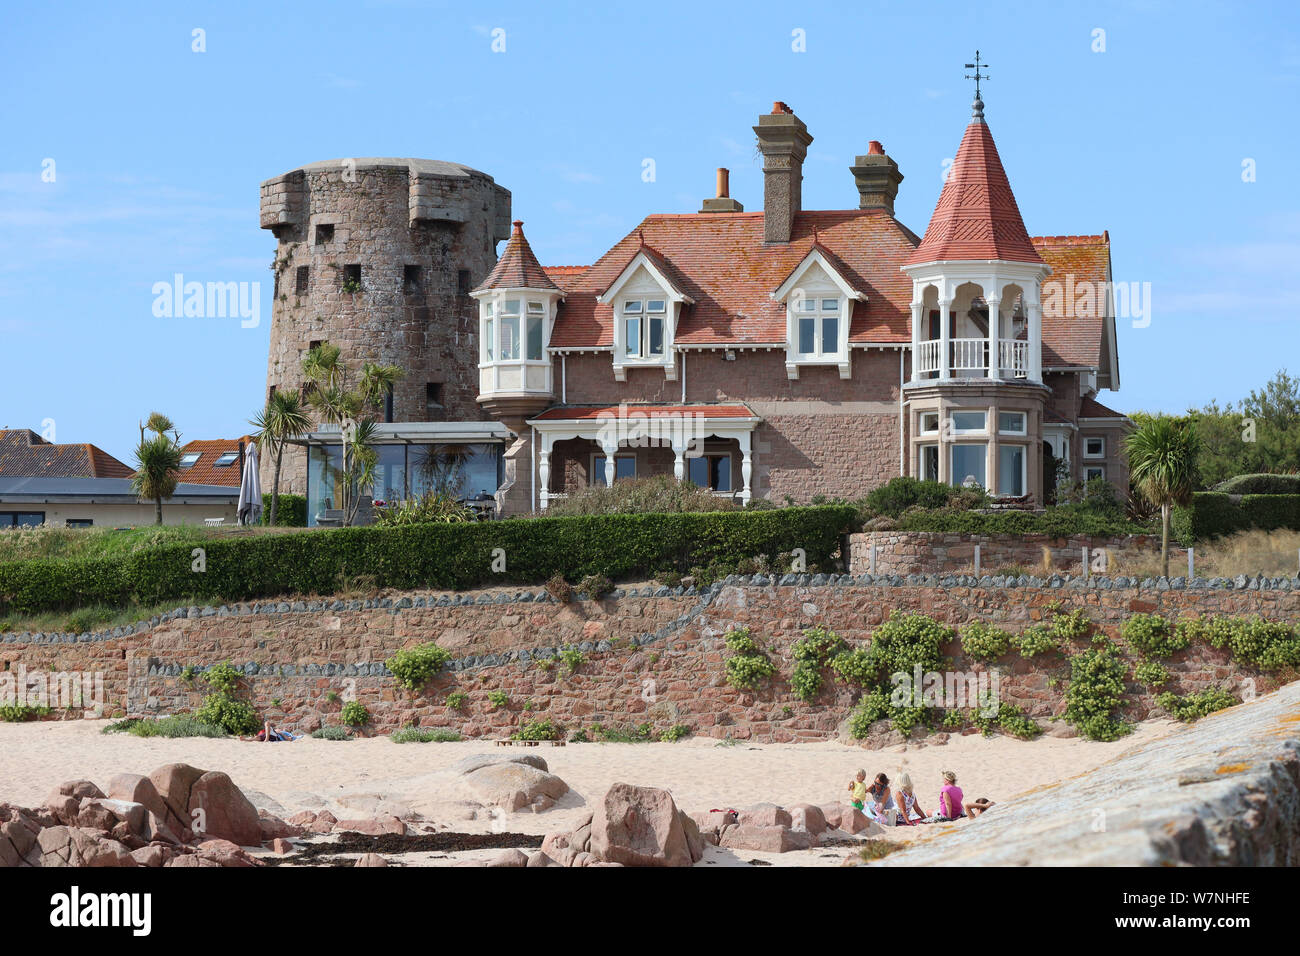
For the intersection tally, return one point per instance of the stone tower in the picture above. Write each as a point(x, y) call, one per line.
point(378, 257)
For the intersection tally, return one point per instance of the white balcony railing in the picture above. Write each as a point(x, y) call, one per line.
point(972, 355)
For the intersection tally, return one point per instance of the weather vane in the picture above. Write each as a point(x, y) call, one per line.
point(978, 112)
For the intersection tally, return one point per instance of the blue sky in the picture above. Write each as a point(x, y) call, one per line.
point(159, 150)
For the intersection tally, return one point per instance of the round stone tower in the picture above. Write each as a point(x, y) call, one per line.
point(378, 257)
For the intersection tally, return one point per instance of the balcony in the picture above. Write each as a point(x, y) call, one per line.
point(969, 358)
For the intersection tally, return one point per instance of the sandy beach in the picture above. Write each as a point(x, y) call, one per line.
point(362, 778)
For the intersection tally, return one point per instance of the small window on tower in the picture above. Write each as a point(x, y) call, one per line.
point(352, 278)
point(433, 407)
point(300, 281)
point(324, 233)
point(411, 279)
point(462, 282)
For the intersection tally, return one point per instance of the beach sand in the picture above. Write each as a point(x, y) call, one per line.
point(362, 778)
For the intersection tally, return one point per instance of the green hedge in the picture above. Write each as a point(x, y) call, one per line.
point(1057, 522)
point(1260, 485)
point(1213, 513)
point(292, 512)
point(451, 556)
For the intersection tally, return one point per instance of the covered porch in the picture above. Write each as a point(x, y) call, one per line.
point(710, 445)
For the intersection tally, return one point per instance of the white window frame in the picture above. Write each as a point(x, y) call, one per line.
point(643, 280)
point(1024, 422)
point(920, 460)
point(524, 310)
point(1024, 468)
point(816, 279)
point(952, 472)
point(644, 314)
point(193, 457)
point(1099, 469)
point(952, 421)
point(920, 423)
point(1094, 455)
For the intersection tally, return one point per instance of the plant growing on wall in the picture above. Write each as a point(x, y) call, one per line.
point(818, 647)
point(224, 707)
point(748, 666)
point(412, 667)
point(1096, 691)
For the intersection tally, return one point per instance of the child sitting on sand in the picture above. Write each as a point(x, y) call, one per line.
point(858, 790)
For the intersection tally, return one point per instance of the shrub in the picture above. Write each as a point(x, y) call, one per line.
point(1035, 640)
point(1153, 636)
point(1010, 719)
point(1195, 706)
point(811, 655)
point(748, 666)
point(331, 733)
point(1095, 693)
point(18, 713)
point(898, 494)
point(498, 699)
point(675, 733)
point(573, 660)
point(433, 507)
point(539, 730)
point(291, 513)
point(1263, 484)
point(181, 725)
point(1255, 642)
point(1213, 513)
point(443, 556)
point(594, 587)
point(905, 641)
point(413, 667)
point(559, 588)
point(1058, 522)
point(354, 714)
point(1151, 672)
point(230, 714)
point(659, 494)
point(983, 642)
point(456, 699)
point(1071, 626)
point(873, 706)
point(414, 735)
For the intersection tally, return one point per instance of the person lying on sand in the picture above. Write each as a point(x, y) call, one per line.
point(910, 812)
point(976, 807)
point(269, 734)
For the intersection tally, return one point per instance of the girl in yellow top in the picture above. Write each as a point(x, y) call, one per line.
point(858, 790)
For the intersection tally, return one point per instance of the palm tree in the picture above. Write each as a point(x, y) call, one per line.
point(1162, 467)
point(282, 419)
point(377, 382)
point(158, 462)
point(321, 364)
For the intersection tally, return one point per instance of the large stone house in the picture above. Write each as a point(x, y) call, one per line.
point(782, 354)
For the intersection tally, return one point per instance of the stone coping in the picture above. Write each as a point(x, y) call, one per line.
point(706, 595)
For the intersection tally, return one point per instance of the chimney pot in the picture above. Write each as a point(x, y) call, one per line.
point(724, 189)
point(722, 202)
point(875, 149)
point(877, 177)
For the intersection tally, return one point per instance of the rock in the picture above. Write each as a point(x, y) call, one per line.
point(173, 783)
point(105, 814)
point(226, 853)
point(555, 842)
point(281, 846)
point(710, 824)
point(190, 859)
point(514, 785)
point(77, 846)
point(509, 858)
point(841, 816)
point(540, 859)
point(584, 859)
point(303, 818)
point(371, 859)
point(806, 816)
point(694, 839)
point(19, 829)
point(764, 815)
point(376, 827)
point(155, 854)
point(137, 788)
point(770, 839)
point(220, 811)
point(639, 826)
point(478, 761)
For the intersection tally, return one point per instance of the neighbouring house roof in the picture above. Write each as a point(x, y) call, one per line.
point(206, 471)
point(1091, 408)
point(517, 268)
point(39, 489)
point(976, 216)
point(579, 413)
point(25, 454)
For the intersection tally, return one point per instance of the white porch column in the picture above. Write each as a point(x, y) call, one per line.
point(544, 468)
point(746, 465)
point(610, 451)
point(994, 369)
point(945, 340)
point(1035, 309)
point(918, 309)
point(679, 462)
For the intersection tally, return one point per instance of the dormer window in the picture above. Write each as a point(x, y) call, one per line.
point(818, 324)
point(643, 327)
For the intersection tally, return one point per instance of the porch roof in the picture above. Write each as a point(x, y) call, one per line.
point(739, 412)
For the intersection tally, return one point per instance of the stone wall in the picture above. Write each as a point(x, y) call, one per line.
point(650, 654)
point(925, 552)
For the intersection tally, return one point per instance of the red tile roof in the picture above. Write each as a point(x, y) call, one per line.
point(1072, 329)
point(1091, 408)
point(205, 470)
point(721, 261)
point(25, 454)
point(578, 413)
point(976, 216)
point(517, 268)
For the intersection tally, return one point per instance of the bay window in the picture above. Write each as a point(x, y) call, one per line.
point(1011, 470)
point(968, 463)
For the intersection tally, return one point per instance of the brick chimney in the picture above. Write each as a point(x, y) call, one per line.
point(783, 139)
point(723, 201)
point(877, 177)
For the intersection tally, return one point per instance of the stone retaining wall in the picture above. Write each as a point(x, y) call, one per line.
point(925, 552)
point(650, 654)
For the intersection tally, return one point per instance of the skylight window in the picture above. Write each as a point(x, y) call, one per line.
point(190, 458)
point(227, 458)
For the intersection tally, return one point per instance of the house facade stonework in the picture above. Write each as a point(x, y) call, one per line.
point(783, 354)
